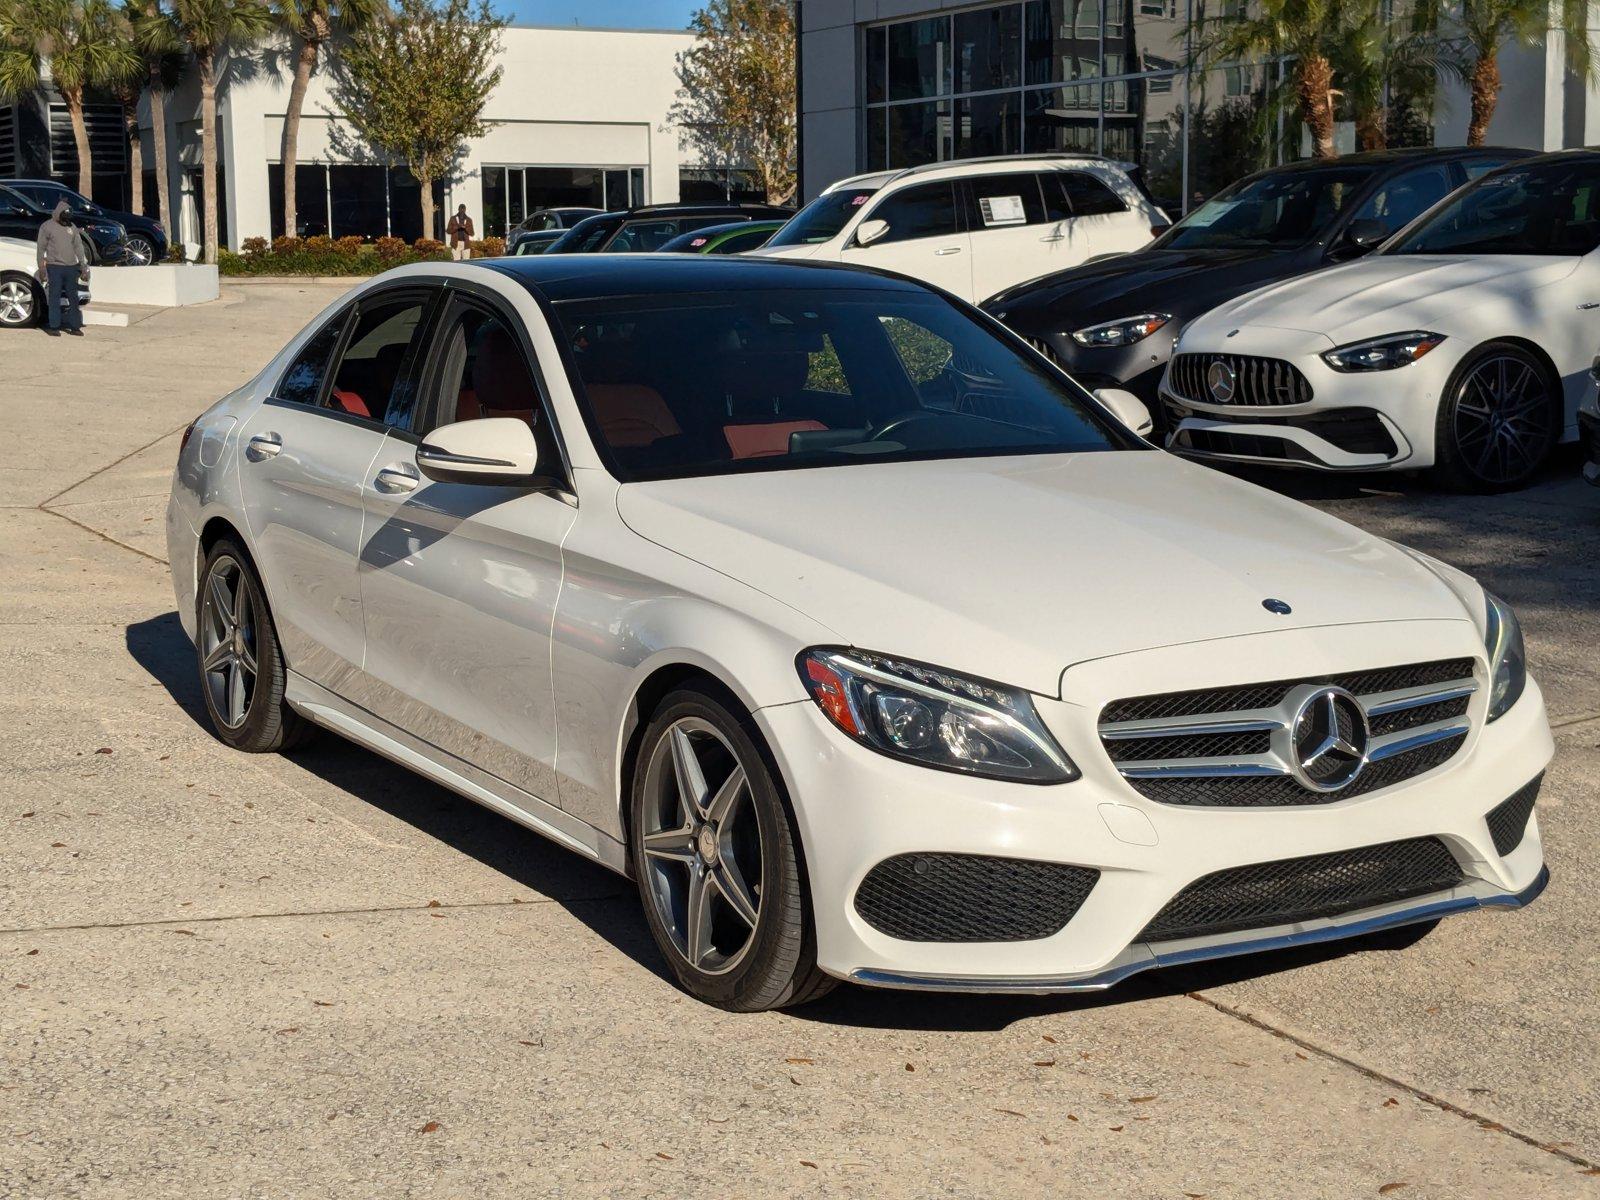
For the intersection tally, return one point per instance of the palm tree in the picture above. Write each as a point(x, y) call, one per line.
point(311, 23)
point(1309, 32)
point(1391, 53)
point(1486, 24)
point(82, 40)
point(206, 27)
point(156, 41)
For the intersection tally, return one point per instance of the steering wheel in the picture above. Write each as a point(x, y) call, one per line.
point(900, 420)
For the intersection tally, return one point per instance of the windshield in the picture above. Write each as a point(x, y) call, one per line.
point(586, 236)
point(677, 386)
point(1282, 209)
point(823, 218)
point(1553, 208)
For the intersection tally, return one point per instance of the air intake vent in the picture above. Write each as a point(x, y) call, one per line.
point(1508, 820)
point(971, 897)
point(1302, 889)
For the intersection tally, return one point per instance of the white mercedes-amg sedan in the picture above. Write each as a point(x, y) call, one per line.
point(1462, 345)
point(869, 644)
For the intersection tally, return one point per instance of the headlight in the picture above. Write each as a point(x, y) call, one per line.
point(936, 718)
point(1508, 661)
point(1382, 354)
point(1121, 333)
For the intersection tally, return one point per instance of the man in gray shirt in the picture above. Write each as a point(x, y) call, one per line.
point(61, 265)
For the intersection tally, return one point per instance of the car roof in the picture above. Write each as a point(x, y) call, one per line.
point(598, 276)
point(1401, 156)
point(960, 168)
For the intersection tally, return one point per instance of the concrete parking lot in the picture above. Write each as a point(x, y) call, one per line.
point(318, 975)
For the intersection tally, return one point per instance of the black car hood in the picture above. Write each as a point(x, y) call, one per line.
point(1182, 282)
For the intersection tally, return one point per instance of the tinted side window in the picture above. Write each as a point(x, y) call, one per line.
point(1475, 167)
point(928, 210)
point(483, 372)
point(368, 382)
point(302, 382)
point(1407, 196)
point(740, 242)
point(1002, 200)
point(11, 204)
point(1087, 196)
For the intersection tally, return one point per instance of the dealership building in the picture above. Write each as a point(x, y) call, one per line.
point(581, 117)
point(896, 83)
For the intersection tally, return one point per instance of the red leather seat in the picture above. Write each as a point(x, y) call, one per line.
point(631, 414)
point(501, 383)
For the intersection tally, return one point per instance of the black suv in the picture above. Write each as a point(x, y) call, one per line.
point(654, 225)
point(1112, 323)
point(147, 240)
point(20, 218)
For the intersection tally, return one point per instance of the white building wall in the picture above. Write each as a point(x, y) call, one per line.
point(567, 97)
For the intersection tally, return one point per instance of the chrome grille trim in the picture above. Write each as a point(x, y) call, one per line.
point(1430, 717)
point(1260, 382)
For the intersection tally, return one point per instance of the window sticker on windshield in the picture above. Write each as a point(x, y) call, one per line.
point(1002, 210)
point(1210, 213)
point(1515, 179)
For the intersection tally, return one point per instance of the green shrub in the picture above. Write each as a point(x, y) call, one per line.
point(328, 256)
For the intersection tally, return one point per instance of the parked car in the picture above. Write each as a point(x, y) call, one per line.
point(656, 555)
point(1112, 323)
point(1589, 429)
point(734, 238)
point(1462, 345)
point(22, 299)
point(978, 226)
point(103, 241)
point(547, 220)
point(535, 243)
point(653, 226)
point(146, 240)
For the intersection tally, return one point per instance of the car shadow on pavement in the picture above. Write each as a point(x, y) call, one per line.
point(608, 905)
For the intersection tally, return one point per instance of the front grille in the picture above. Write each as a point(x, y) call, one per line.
point(1508, 820)
point(1257, 382)
point(971, 897)
point(1235, 746)
point(1302, 889)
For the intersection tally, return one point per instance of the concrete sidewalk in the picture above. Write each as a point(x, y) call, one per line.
point(317, 975)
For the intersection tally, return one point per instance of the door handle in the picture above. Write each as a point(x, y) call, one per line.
point(263, 446)
point(1054, 237)
point(948, 250)
point(1588, 306)
point(397, 478)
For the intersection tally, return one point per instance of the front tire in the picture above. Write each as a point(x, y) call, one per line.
point(140, 252)
point(715, 853)
point(21, 302)
point(1499, 420)
point(242, 675)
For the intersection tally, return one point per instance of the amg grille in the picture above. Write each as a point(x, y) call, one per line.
point(1508, 820)
point(1257, 382)
point(971, 897)
point(1301, 889)
point(1237, 745)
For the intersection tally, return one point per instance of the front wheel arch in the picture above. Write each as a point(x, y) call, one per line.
point(1449, 467)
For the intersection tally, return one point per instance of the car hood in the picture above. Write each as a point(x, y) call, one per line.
point(1129, 284)
point(805, 251)
point(1016, 568)
point(1387, 293)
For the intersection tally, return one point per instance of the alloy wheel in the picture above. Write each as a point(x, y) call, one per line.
point(229, 618)
point(16, 302)
point(1502, 418)
point(702, 846)
point(139, 253)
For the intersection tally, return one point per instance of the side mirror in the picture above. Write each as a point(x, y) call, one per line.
point(1128, 409)
point(1364, 234)
point(870, 231)
point(494, 450)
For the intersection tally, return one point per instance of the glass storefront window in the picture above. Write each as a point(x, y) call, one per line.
point(918, 133)
point(988, 125)
point(919, 58)
point(987, 44)
point(1062, 120)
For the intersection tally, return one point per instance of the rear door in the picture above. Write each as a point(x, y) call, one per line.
point(1089, 219)
point(304, 456)
point(1010, 235)
point(927, 238)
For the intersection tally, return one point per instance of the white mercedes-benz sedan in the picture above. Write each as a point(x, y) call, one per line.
point(1463, 344)
point(869, 644)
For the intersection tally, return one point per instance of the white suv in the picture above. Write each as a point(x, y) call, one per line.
point(975, 227)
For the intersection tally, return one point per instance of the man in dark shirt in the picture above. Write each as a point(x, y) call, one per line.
point(61, 265)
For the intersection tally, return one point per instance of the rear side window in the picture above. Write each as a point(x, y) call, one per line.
point(999, 201)
point(1475, 167)
point(928, 210)
point(302, 382)
point(369, 381)
point(1086, 196)
point(1400, 200)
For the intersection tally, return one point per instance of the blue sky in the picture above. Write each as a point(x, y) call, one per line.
point(598, 14)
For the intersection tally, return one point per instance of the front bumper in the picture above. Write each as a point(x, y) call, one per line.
point(855, 809)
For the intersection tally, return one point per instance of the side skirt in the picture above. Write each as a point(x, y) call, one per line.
point(316, 703)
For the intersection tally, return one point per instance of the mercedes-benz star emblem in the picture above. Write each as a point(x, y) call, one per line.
point(1280, 607)
point(1328, 739)
point(1221, 381)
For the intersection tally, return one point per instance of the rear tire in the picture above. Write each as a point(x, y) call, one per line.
point(1499, 419)
point(716, 857)
point(21, 302)
point(140, 252)
point(242, 676)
